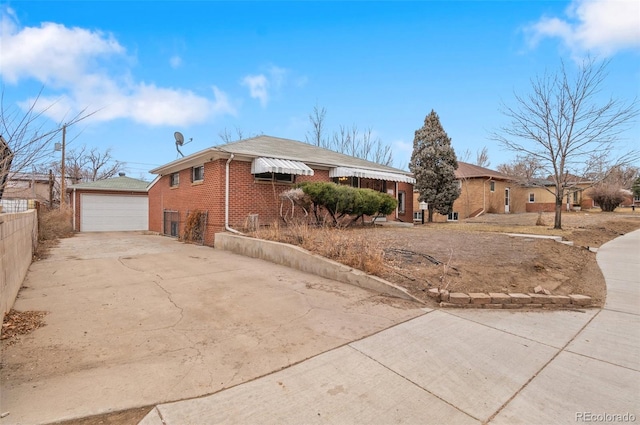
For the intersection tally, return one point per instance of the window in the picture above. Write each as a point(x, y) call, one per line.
point(417, 216)
point(402, 196)
point(492, 186)
point(347, 181)
point(275, 177)
point(453, 216)
point(197, 174)
point(532, 197)
point(174, 179)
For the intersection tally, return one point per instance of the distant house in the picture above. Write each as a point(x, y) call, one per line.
point(482, 190)
point(116, 204)
point(238, 184)
point(539, 195)
point(22, 190)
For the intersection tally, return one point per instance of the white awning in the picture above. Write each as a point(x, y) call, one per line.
point(370, 174)
point(282, 166)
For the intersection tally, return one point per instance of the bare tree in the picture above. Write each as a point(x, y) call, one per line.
point(101, 165)
point(28, 137)
point(316, 136)
point(482, 157)
point(227, 137)
point(562, 124)
point(348, 140)
point(523, 169)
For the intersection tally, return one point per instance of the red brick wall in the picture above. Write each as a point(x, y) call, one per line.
point(247, 196)
point(187, 196)
point(78, 205)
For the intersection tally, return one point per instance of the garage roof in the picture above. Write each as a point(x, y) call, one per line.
point(120, 183)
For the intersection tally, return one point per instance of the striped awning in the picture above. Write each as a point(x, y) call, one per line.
point(370, 174)
point(281, 166)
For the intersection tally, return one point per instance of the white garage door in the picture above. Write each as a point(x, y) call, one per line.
point(111, 213)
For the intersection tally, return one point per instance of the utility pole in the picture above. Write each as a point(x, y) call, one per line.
point(63, 195)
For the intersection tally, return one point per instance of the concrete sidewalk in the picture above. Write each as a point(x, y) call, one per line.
point(460, 367)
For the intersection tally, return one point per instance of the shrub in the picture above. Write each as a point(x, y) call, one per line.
point(54, 224)
point(608, 197)
point(340, 201)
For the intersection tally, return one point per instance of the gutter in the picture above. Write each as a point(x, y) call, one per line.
point(226, 199)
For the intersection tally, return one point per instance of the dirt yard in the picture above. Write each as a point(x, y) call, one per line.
point(476, 255)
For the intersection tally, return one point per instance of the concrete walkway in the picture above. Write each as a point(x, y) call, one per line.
point(460, 367)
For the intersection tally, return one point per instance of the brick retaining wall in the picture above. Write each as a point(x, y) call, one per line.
point(498, 300)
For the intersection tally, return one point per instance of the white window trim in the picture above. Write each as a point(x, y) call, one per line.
point(532, 194)
point(453, 216)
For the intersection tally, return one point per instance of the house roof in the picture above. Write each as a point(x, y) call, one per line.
point(466, 171)
point(121, 183)
point(38, 177)
point(275, 147)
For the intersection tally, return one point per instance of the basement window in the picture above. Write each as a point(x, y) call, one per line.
point(453, 216)
point(174, 180)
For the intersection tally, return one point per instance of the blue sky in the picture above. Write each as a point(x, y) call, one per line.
point(155, 67)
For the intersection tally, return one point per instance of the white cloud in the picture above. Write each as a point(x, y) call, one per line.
point(258, 87)
point(175, 61)
point(601, 26)
point(263, 86)
point(79, 64)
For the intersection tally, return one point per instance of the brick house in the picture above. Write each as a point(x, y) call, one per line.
point(482, 190)
point(239, 183)
point(539, 195)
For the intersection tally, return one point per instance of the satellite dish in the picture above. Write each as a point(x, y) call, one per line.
point(179, 138)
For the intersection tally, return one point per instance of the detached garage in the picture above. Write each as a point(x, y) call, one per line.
point(111, 205)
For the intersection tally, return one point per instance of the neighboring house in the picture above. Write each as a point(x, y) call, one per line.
point(539, 195)
point(116, 204)
point(238, 184)
point(482, 190)
point(22, 189)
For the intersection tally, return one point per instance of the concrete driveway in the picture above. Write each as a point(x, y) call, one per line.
point(136, 320)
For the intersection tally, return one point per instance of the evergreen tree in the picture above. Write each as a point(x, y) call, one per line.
point(635, 188)
point(433, 163)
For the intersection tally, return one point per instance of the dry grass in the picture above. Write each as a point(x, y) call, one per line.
point(54, 224)
point(353, 247)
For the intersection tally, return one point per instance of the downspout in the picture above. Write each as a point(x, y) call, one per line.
point(74, 209)
point(397, 197)
point(226, 199)
point(484, 196)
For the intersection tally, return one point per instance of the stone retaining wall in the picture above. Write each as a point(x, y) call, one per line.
point(498, 300)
